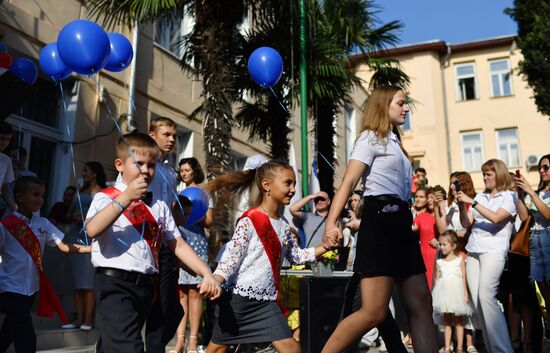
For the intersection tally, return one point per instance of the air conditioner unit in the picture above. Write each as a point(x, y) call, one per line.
point(532, 161)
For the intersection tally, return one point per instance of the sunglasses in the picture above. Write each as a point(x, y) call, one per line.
point(545, 168)
point(317, 199)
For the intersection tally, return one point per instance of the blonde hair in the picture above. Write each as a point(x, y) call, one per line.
point(235, 183)
point(157, 122)
point(134, 141)
point(377, 117)
point(503, 181)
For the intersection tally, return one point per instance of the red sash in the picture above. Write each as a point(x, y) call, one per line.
point(271, 244)
point(143, 221)
point(48, 302)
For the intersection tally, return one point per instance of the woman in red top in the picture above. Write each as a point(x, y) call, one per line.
point(424, 224)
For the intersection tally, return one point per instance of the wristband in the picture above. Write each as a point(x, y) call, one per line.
point(474, 204)
point(119, 204)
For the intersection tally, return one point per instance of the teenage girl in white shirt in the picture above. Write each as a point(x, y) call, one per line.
point(388, 251)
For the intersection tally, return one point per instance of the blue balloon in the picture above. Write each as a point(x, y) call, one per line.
point(265, 66)
point(199, 200)
point(3, 47)
point(121, 52)
point(25, 69)
point(83, 46)
point(51, 63)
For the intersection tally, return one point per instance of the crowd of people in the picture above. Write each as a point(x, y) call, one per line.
point(443, 254)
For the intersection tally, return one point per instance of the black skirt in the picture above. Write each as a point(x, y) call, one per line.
point(386, 244)
point(238, 319)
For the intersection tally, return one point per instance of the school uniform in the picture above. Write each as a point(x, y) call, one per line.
point(126, 274)
point(20, 281)
point(248, 311)
point(386, 244)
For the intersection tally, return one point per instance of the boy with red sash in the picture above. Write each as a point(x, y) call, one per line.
point(23, 236)
point(249, 310)
point(127, 234)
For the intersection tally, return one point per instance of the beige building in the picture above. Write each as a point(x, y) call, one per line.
point(470, 105)
point(162, 89)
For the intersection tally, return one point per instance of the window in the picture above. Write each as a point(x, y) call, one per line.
point(351, 130)
point(407, 125)
point(169, 33)
point(466, 82)
point(508, 147)
point(472, 151)
point(183, 149)
point(501, 83)
point(239, 160)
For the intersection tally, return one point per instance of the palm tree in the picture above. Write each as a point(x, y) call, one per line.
point(337, 28)
point(214, 45)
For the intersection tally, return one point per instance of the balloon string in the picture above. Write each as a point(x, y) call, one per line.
point(119, 129)
point(71, 149)
point(303, 132)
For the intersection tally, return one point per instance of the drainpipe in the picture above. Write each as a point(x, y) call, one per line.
point(445, 109)
point(132, 86)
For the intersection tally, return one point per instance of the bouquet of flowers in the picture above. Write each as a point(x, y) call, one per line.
point(330, 257)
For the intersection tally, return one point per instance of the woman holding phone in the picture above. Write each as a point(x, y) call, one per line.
point(386, 225)
point(490, 215)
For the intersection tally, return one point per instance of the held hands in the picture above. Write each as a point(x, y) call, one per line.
point(434, 243)
point(136, 189)
point(332, 237)
point(210, 287)
point(462, 197)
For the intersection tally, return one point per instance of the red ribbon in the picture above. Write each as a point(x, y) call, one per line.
point(271, 244)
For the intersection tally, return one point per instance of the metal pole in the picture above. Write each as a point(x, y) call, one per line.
point(132, 86)
point(303, 98)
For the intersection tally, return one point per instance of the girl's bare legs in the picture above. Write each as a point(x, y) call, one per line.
point(216, 348)
point(415, 291)
point(288, 345)
point(89, 306)
point(459, 329)
point(79, 306)
point(375, 298)
point(469, 338)
point(195, 313)
point(448, 330)
point(180, 331)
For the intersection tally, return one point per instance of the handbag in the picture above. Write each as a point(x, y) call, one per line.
point(520, 243)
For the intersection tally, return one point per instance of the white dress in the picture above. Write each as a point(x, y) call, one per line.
point(448, 292)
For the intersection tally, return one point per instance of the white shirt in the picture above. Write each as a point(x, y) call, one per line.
point(18, 272)
point(388, 170)
point(487, 237)
point(6, 170)
point(121, 246)
point(245, 266)
point(453, 218)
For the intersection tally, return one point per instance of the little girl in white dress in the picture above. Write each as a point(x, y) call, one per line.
point(450, 292)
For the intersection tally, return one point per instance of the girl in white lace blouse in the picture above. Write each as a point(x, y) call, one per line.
point(248, 312)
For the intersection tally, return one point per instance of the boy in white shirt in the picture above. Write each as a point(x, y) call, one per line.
point(23, 236)
point(127, 235)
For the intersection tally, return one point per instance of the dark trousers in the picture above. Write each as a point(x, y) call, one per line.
point(166, 312)
point(123, 307)
point(387, 329)
point(17, 327)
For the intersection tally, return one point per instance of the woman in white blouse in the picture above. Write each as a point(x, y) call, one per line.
point(491, 217)
point(388, 251)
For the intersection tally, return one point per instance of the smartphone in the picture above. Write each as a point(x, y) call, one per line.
point(457, 185)
point(518, 174)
